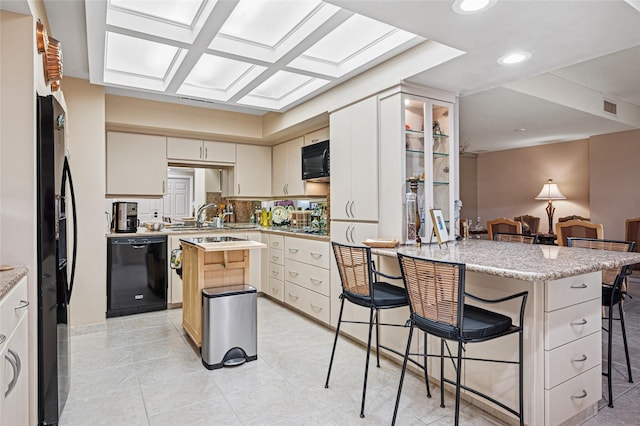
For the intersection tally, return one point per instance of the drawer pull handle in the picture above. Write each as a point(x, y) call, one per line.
point(316, 307)
point(581, 396)
point(316, 282)
point(583, 358)
point(293, 296)
point(23, 304)
point(275, 243)
point(293, 250)
point(316, 255)
point(581, 322)
point(583, 285)
point(275, 258)
point(275, 290)
point(293, 273)
point(274, 272)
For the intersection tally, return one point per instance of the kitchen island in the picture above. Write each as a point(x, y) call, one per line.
point(210, 262)
point(562, 326)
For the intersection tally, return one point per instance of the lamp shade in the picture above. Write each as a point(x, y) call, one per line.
point(550, 191)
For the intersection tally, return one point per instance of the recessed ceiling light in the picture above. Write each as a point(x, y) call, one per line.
point(467, 7)
point(514, 58)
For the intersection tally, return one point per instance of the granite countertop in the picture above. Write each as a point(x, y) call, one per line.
point(8, 279)
point(235, 228)
point(528, 262)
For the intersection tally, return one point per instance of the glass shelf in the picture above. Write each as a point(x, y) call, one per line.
point(415, 151)
point(440, 154)
point(439, 135)
point(440, 183)
point(415, 132)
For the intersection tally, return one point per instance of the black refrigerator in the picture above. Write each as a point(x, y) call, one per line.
point(55, 197)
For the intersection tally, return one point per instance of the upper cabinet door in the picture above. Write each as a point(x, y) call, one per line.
point(219, 152)
point(252, 171)
point(279, 170)
point(295, 184)
point(136, 164)
point(317, 136)
point(185, 149)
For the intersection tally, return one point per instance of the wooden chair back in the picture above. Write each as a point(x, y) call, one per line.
point(632, 233)
point(503, 225)
point(435, 289)
point(573, 217)
point(354, 267)
point(532, 221)
point(578, 228)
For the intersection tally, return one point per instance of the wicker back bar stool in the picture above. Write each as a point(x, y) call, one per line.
point(437, 296)
point(612, 294)
point(361, 285)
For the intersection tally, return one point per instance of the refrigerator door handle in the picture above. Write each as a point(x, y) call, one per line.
point(66, 173)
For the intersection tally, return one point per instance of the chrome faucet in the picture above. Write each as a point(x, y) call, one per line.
point(201, 209)
point(225, 214)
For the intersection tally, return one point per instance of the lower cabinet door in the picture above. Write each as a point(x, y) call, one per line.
point(573, 396)
point(14, 395)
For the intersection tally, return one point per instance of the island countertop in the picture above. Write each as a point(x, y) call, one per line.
point(527, 262)
point(222, 243)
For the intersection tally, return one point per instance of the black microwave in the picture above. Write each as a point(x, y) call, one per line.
point(315, 162)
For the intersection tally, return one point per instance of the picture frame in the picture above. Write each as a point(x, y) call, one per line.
point(439, 226)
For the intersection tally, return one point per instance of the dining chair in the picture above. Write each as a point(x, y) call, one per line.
point(632, 233)
point(573, 217)
point(438, 307)
point(515, 238)
point(579, 229)
point(503, 225)
point(532, 221)
point(361, 286)
point(612, 295)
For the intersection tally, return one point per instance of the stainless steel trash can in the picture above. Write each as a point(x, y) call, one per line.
point(229, 326)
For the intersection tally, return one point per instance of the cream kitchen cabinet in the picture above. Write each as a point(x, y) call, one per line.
point(287, 169)
point(417, 141)
point(14, 357)
point(307, 276)
point(316, 136)
point(136, 164)
point(199, 150)
point(252, 173)
point(354, 162)
point(276, 267)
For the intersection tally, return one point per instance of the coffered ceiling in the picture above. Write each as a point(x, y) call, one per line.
point(258, 59)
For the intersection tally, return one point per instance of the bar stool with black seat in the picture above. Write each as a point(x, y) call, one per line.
point(515, 238)
point(612, 295)
point(360, 285)
point(436, 291)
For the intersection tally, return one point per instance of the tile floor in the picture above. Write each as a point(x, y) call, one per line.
point(141, 370)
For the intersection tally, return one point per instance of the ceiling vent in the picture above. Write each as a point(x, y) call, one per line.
point(610, 107)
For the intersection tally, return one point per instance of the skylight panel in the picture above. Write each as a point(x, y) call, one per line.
point(218, 78)
point(137, 56)
point(356, 42)
point(282, 89)
point(266, 30)
point(181, 12)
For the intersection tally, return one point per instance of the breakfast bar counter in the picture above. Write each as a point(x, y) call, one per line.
point(562, 325)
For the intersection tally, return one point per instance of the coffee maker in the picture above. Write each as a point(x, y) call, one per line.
point(124, 217)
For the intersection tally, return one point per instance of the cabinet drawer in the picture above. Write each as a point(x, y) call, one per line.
point(308, 251)
point(276, 289)
point(276, 271)
point(307, 276)
point(276, 256)
point(276, 241)
point(307, 301)
point(572, 359)
point(572, 290)
point(571, 323)
point(573, 396)
point(16, 298)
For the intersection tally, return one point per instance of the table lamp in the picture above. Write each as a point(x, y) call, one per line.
point(550, 192)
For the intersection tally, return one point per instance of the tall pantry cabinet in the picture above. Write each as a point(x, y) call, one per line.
point(354, 192)
point(418, 141)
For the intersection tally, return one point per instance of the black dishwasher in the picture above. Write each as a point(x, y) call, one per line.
point(136, 275)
